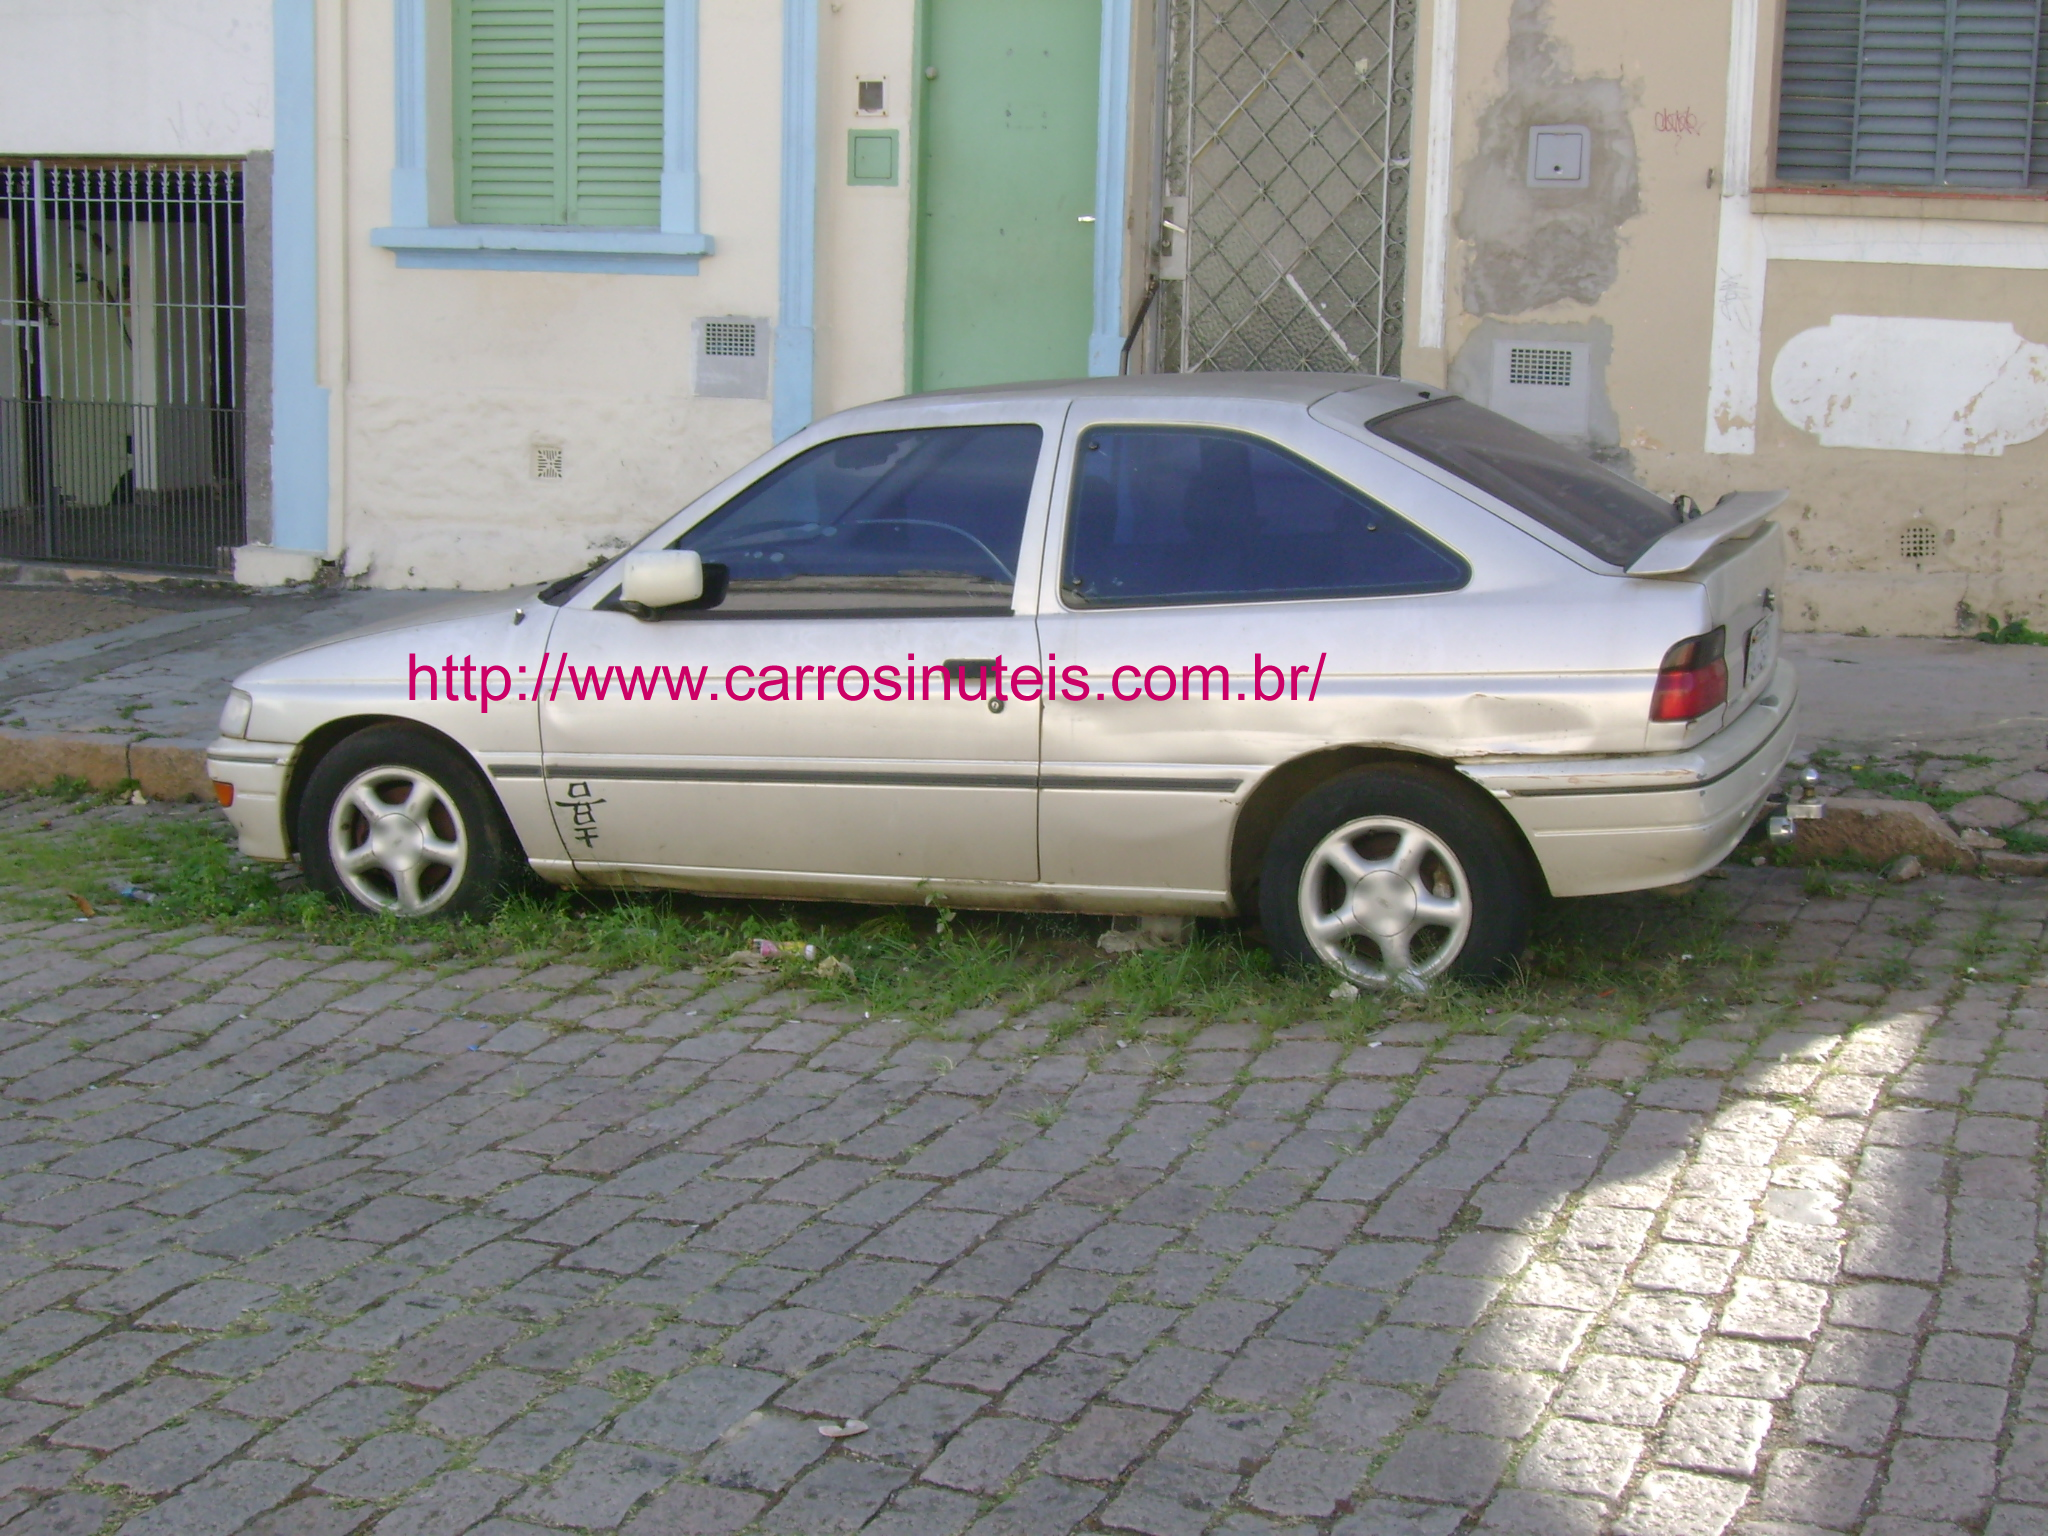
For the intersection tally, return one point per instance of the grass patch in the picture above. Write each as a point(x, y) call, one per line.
point(1608, 963)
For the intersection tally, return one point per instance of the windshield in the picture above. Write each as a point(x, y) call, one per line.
point(1598, 510)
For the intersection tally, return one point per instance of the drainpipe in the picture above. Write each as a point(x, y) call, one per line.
point(795, 401)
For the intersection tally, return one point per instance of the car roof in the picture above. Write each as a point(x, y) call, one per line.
point(1303, 389)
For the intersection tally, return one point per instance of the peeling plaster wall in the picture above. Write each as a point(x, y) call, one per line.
point(1529, 247)
point(1627, 266)
point(1472, 375)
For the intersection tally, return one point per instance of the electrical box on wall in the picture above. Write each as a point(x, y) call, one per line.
point(871, 157)
point(1560, 155)
point(1545, 385)
point(731, 357)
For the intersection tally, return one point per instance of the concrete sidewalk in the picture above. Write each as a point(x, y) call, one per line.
point(140, 702)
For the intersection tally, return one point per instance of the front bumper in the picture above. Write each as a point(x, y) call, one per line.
point(258, 770)
point(1599, 825)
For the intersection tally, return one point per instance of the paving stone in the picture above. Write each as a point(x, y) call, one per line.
point(384, 1467)
point(1681, 1504)
point(1821, 1490)
point(1169, 1498)
point(134, 1414)
point(1715, 1434)
point(1105, 1442)
point(1299, 1481)
point(692, 1411)
point(101, 1366)
point(454, 1501)
point(840, 1496)
point(1570, 1456)
point(910, 1427)
point(1044, 1506)
point(1620, 1389)
point(984, 1455)
point(220, 1503)
point(1938, 1480)
point(293, 1382)
point(599, 1487)
point(1848, 1417)
point(1737, 1369)
point(1954, 1411)
point(170, 1458)
point(1446, 1468)
point(697, 1510)
point(529, 1443)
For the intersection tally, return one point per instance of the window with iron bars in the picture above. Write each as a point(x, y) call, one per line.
point(122, 358)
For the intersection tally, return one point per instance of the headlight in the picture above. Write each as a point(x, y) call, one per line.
point(234, 715)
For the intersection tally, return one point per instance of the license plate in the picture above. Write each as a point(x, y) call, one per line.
point(1759, 649)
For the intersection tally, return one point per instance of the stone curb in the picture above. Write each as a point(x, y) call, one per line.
point(165, 769)
point(1878, 831)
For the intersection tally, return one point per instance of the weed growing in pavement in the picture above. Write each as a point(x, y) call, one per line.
point(1604, 965)
point(2011, 632)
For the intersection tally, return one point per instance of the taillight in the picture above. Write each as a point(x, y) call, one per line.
point(1693, 680)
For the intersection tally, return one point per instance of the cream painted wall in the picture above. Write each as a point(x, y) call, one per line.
point(863, 232)
point(135, 77)
point(447, 379)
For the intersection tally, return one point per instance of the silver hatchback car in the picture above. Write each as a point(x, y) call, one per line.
point(1357, 658)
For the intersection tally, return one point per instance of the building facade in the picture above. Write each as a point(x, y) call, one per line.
point(512, 279)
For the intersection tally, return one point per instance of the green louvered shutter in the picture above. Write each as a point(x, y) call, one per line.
point(511, 118)
point(615, 113)
point(1912, 92)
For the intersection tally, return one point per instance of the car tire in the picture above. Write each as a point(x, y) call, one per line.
point(398, 823)
point(1397, 876)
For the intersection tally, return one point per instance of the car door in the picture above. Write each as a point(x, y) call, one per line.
point(843, 714)
point(1215, 602)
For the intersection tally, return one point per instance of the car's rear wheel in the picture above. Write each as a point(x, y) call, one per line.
point(399, 823)
point(1394, 876)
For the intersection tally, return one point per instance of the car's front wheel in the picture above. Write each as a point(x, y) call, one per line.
point(397, 822)
point(1393, 876)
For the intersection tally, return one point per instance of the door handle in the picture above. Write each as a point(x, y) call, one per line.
point(983, 668)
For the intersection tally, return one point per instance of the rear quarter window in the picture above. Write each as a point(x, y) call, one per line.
point(1605, 514)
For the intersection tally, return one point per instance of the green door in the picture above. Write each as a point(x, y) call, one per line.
point(1006, 174)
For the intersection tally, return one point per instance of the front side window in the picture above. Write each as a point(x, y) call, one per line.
point(1913, 93)
point(1167, 515)
point(924, 521)
point(558, 112)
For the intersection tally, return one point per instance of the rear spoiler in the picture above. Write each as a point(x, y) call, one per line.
point(1734, 516)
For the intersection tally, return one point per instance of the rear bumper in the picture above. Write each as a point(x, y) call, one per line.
point(258, 770)
point(1599, 825)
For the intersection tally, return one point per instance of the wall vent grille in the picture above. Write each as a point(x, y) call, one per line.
point(1540, 365)
point(547, 461)
point(1918, 541)
point(729, 338)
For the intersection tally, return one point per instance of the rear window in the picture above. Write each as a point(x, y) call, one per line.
point(1598, 510)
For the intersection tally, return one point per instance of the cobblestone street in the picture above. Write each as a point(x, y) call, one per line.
point(296, 1244)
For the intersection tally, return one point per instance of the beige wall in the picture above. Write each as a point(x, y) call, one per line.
point(445, 380)
point(1663, 73)
point(863, 232)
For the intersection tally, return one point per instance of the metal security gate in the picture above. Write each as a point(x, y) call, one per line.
point(121, 363)
point(1287, 168)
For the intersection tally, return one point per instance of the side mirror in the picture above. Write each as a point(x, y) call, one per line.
point(662, 578)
